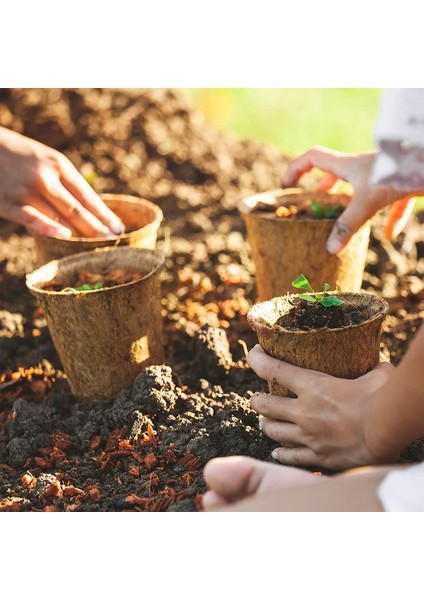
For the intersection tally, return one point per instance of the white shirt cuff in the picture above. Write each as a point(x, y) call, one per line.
point(402, 490)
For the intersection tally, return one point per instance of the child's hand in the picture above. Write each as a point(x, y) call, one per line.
point(41, 189)
point(326, 422)
point(356, 169)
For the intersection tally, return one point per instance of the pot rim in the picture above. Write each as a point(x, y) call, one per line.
point(158, 218)
point(246, 207)
point(258, 322)
point(33, 287)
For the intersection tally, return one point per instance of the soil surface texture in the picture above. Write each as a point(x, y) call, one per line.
point(145, 449)
point(306, 315)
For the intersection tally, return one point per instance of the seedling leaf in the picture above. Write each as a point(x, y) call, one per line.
point(334, 211)
point(307, 297)
point(326, 287)
point(332, 301)
point(317, 209)
point(88, 287)
point(301, 283)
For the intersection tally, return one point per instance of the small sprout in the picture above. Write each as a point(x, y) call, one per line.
point(88, 287)
point(301, 283)
point(334, 211)
point(319, 211)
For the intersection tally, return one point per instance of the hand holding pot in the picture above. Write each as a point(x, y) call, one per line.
point(41, 189)
point(367, 200)
point(326, 423)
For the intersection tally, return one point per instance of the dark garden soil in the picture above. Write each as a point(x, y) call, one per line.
point(306, 315)
point(146, 449)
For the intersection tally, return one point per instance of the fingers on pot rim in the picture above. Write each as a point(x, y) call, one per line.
point(71, 209)
point(75, 183)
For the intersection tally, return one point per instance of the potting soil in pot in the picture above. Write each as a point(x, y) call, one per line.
point(89, 281)
point(307, 208)
point(305, 315)
point(56, 454)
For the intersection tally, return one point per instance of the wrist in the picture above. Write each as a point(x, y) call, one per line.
point(380, 439)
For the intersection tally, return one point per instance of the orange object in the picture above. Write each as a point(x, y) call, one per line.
point(328, 183)
point(399, 214)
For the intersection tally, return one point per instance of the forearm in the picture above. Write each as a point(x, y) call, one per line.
point(353, 491)
point(396, 414)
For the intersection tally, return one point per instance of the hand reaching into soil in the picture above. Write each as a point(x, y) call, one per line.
point(342, 423)
point(41, 189)
point(356, 169)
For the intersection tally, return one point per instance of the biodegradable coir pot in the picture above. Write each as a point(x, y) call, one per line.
point(347, 352)
point(104, 337)
point(282, 247)
point(141, 218)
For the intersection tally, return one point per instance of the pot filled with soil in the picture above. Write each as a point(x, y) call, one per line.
point(288, 229)
point(338, 335)
point(103, 310)
point(141, 218)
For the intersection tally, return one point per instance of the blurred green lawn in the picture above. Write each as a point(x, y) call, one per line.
point(295, 119)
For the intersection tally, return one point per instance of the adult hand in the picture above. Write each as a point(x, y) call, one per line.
point(326, 422)
point(41, 189)
point(366, 201)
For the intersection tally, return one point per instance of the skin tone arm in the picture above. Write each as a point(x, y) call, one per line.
point(244, 484)
point(41, 189)
point(342, 423)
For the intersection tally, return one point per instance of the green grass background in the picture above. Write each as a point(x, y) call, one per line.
point(295, 119)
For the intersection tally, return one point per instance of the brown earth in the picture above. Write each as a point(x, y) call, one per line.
point(145, 450)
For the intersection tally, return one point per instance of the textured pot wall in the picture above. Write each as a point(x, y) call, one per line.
point(348, 352)
point(104, 338)
point(282, 249)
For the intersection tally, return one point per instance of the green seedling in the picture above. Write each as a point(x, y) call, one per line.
point(88, 287)
point(321, 212)
point(301, 283)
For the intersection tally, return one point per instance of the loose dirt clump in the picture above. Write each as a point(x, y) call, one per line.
point(145, 449)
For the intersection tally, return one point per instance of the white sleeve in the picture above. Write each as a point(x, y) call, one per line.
point(402, 490)
point(399, 137)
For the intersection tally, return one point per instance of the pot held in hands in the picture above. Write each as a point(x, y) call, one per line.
point(348, 350)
